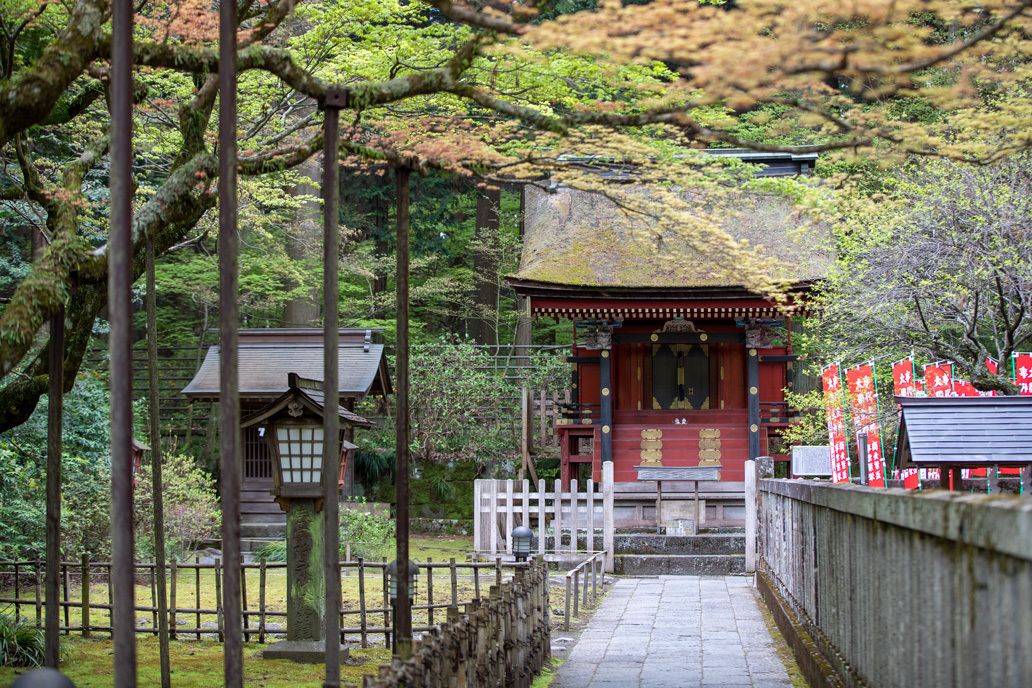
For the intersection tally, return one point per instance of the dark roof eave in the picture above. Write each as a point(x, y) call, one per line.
point(531, 288)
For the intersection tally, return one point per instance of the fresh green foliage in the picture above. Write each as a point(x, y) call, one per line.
point(21, 643)
point(191, 507)
point(371, 535)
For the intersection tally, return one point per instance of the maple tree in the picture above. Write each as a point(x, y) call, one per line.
point(498, 94)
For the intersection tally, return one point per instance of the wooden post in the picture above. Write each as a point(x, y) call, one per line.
point(751, 521)
point(85, 595)
point(526, 428)
point(606, 419)
point(172, 599)
point(154, 597)
point(218, 601)
point(261, 600)
point(478, 505)
point(525, 503)
point(64, 591)
point(543, 421)
point(576, 591)
point(558, 530)
point(752, 382)
point(454, 582)
point(386, 606)
point(430, 591)
point(361, 601)
point(493, 522)
point(574, 508)
point(510, 508)
point(541, 517)
point(476, 580)
point(243, 603)
point(566, 615)
point(608, 529)
point(197, 592)
point(590, 500)
point(39, 592)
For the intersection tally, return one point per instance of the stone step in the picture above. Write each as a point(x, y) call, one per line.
point(268, 531)
point(680, 564)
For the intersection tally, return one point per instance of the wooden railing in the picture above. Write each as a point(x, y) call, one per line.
point(501, 505)
point(574, 590)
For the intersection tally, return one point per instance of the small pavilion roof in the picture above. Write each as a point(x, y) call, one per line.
point(964, 430)
point(309, 393)
point(266, 357)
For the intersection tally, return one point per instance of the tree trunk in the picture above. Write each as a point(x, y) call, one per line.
point(483, 325)
point(303, 247)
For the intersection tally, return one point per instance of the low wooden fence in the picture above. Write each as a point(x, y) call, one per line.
point(195, 599)
point(502, 640)
point(501, 505)
point(595, 564)
point(896, 588)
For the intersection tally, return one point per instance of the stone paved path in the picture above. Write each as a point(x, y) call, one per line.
point(674, 632)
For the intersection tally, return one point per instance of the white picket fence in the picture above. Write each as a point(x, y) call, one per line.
point(501, 505)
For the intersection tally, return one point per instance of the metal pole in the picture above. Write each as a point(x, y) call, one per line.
point(861, 449)
point(331, 449)
point(156, 481)
point(55, 392)
point(120, 345)
point(401, 372)
point(233, 658)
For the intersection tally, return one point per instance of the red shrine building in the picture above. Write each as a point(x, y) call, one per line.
point(673, 363)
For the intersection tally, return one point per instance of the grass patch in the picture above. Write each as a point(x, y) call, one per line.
point(89, 663)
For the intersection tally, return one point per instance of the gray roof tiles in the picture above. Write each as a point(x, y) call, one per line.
point(964, 430)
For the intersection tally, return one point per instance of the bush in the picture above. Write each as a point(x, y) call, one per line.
point(21, 644)
point(371, 536)
point(191, 507)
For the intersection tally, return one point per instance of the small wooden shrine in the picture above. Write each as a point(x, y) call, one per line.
point(266, 358)
point(673, 364)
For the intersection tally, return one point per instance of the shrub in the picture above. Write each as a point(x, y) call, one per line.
point(191, 507)
point(371, 536)
point(21, 644)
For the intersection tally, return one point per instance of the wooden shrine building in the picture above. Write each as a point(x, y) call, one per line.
point(673, 364)
point(267, 357)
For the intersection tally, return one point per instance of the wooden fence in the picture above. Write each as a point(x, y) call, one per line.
point(195, 599)
point(501, 505)
point(502, 640)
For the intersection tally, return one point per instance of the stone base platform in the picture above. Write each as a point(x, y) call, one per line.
point(302, 651)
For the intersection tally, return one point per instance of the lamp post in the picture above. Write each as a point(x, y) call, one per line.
point(522, 536)
point(293, 428)
point(392, 583)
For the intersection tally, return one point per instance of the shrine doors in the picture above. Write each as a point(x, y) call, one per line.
point(680, 376)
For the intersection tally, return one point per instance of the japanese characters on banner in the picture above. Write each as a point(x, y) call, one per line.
point(963, 388)
point(904, 384)
point(836, 425)
point(1023, 373)
point(939, 379)
point(860, 381)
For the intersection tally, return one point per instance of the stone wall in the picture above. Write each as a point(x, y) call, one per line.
point(897, 588)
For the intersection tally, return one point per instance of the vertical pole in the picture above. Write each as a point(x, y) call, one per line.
point(55, 398)
point(401, 373)
point(752, 369)
point(861, 450)
point(84, 596)
point(606, 401)
point(233, 657)
point(750, 516)
point(608, 527)
point(119, 344)
point(156, 481)
point(331, 448)
point(541, 518)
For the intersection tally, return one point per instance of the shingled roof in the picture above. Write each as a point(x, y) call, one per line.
point(267, 356)
point(584, 239)
point(964, 430)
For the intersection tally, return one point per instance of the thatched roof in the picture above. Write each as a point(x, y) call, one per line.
point(584, 239)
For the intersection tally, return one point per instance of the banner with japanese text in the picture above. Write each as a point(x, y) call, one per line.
point(1023, 373)
point(832, 384)
point(939, 379)
point(860, 381)
point(904, 384)
point(963, 388)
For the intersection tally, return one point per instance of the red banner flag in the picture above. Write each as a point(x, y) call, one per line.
point(963, 388)
point(904, 384)
point(939, 379)
point(1023, 373)
point(861, 385)
point(836, 425)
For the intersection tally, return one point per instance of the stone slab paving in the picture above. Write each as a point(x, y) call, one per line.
point(676, 632)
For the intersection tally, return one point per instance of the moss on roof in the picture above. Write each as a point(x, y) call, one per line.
point(585, 239)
